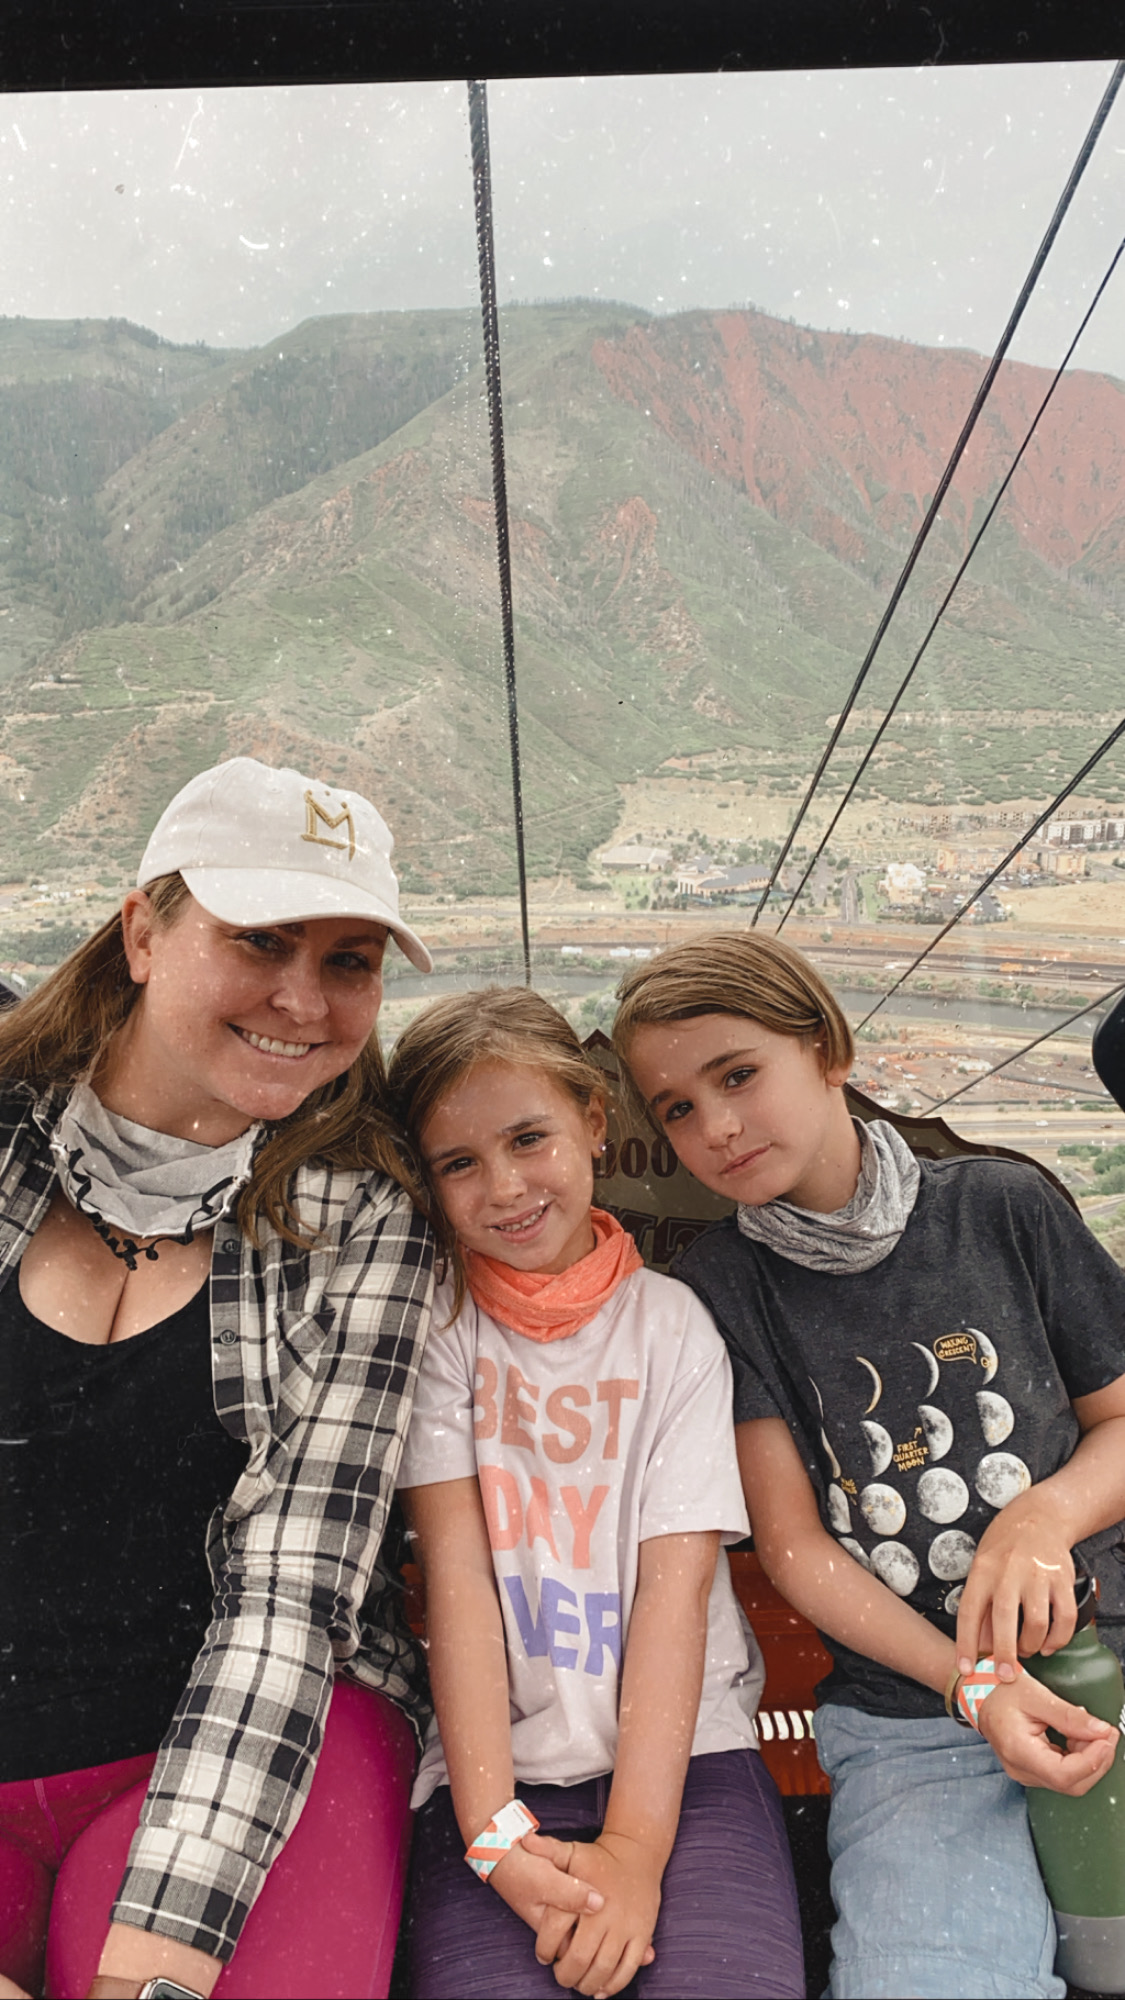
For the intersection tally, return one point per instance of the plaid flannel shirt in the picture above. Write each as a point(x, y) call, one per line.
point(315, 1356)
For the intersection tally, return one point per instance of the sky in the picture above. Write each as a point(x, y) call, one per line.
point(904, 202)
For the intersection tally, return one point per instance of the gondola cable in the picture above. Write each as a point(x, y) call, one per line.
point(486, 260)
point(944, 605)
point(920, 539)
point(1027, 1048)
point(981, 889)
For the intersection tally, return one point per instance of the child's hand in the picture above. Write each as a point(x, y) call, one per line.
point(604, 1950)
point(1015, 1719)
point(538, 1888)
point(1023, 1564)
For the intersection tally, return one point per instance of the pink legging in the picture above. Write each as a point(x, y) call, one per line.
point(325, 1923)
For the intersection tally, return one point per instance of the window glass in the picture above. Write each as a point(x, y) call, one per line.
point(246, 505)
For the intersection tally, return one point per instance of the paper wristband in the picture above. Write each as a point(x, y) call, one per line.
point(504, 1830)
point(976, 1687)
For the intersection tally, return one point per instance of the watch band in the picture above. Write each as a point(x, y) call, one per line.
point(167, 1989)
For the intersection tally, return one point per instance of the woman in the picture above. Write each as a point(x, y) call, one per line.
point(213, 1297)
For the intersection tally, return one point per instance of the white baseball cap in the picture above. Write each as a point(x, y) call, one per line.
point(255, 845)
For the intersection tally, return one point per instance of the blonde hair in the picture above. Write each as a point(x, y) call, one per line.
point(501, 1024)
point(735, 972)
point(59, 1034)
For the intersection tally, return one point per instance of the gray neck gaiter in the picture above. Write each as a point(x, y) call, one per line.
point(121, 1175)
point(863, 1232)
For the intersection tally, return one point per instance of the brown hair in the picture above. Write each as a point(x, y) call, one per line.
point(60, 1033)
point(735, 972)
point(505, 1024)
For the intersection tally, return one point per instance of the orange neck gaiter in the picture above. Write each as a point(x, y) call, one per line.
point(545, 1305)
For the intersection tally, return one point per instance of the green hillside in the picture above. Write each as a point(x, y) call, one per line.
point(313, 399)
point(292, 553)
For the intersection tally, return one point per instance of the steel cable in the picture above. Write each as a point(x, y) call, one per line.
point(1026, 1049)
point(945, 602)
point(981, 889)
point(486, 259)
point(922, 536)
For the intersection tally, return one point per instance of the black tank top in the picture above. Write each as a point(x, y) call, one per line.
point(112, 1461)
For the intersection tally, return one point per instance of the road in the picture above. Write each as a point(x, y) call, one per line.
point(849, 899)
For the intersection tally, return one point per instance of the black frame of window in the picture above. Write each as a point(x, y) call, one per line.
point(104, 44)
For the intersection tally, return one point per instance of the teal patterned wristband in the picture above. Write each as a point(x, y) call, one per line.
point(975, 1689)
point(504, 1831)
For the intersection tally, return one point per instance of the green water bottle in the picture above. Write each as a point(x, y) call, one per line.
point(1081, 1842)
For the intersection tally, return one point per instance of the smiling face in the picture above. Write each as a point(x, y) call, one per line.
point(236, 1024)
point(751, 1113)
point(510, 1155)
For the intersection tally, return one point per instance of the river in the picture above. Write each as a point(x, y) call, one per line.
point(1010, 1016)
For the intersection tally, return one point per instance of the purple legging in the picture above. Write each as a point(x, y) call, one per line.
point(324, 1926)
point(728, 1926)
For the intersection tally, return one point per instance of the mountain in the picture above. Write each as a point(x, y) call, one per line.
point(292, 552)
point(78, 398)
point(846, 435)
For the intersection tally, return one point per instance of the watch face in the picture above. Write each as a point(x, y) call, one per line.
point(166, 1989)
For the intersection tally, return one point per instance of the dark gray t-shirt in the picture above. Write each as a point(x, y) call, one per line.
point(926, 1393)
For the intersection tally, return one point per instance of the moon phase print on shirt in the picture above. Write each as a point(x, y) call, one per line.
point(942, 1495)
point(938, 1429)
point(855, 1550)
point(917, 1469)
point(880, 1445)
point(997, 1417)
point(1001, 1477)
point(896, 1566)
point(883, 1509)
point(876, 1379)
point(951, 1555)
point(824, 1437)
point(989, 1359)
point(931, 1360)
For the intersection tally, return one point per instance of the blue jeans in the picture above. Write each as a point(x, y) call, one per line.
point(934, 1876)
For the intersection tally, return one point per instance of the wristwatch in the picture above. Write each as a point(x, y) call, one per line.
point(167, 1989)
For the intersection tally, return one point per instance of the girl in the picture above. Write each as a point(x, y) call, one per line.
point(929, 1368)
point(571, 1476)
point(214, 1294)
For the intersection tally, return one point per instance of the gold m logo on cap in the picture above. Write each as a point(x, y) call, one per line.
point(316, 815)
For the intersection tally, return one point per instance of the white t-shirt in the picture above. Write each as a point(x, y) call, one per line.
point(585, 1448)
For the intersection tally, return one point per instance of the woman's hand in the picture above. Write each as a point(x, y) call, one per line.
point(10, 1991)
point(1019, 1597)
point(602, 1952)
point(1015, 1719)
point(535, 1884)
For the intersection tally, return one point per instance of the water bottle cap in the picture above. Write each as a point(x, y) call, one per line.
point(1085, 1601)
